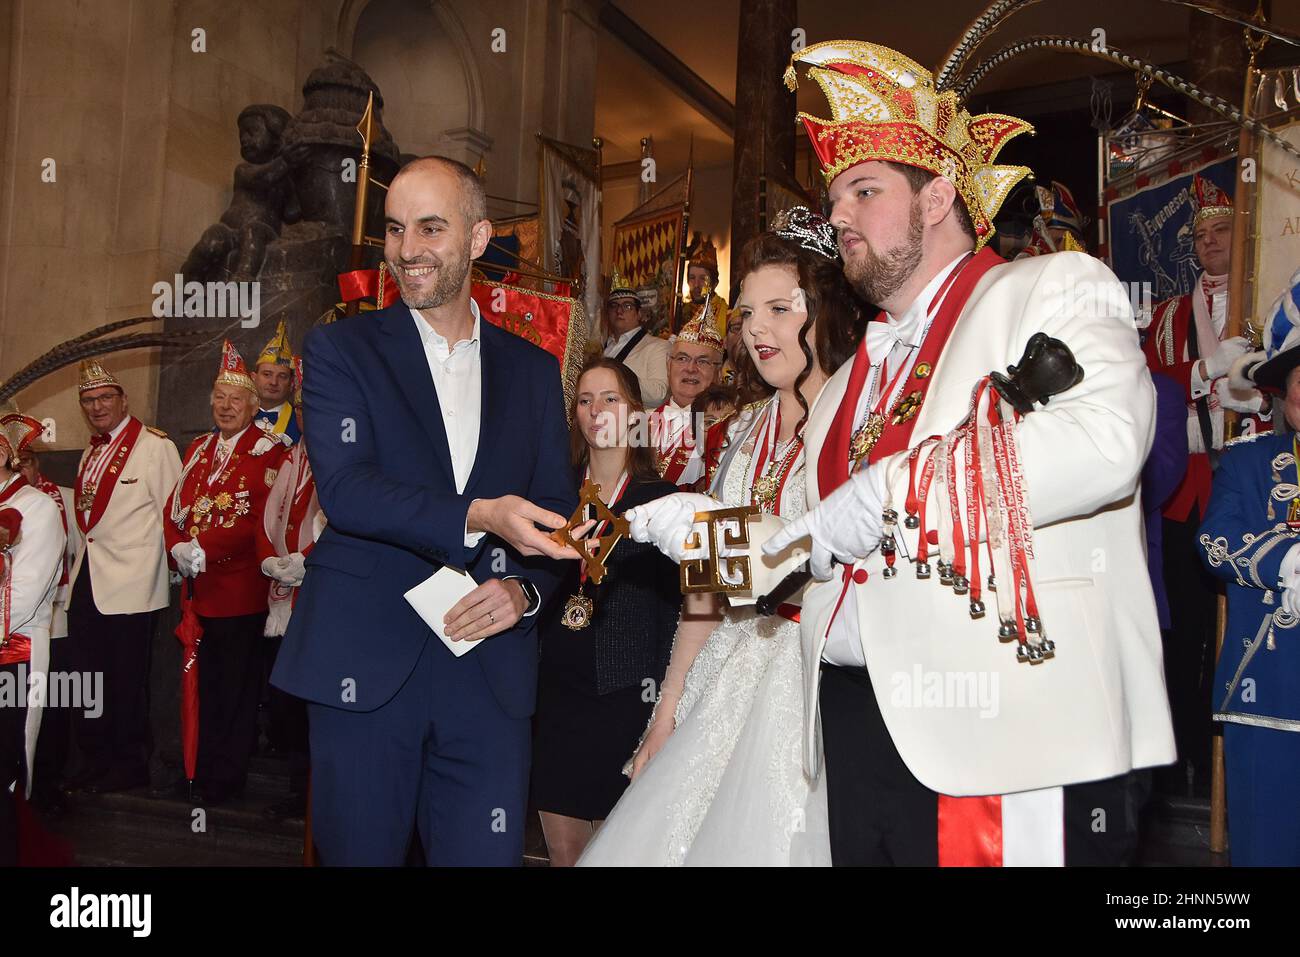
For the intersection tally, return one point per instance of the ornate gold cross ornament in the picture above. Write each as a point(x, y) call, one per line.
point(714, 571)
point(593, 558)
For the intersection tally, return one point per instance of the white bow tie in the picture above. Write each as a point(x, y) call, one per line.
point(884, 334)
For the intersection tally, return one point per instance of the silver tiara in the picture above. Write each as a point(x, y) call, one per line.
point(810, 230)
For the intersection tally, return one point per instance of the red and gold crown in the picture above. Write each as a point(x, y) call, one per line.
point(17, 434)
point(702, 330)
point(884, 107)
point(233, 371)
point(1209, 199)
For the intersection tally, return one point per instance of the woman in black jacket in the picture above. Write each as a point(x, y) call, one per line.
point(604, 647)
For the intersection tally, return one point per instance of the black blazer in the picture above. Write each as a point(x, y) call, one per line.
point(638, 604)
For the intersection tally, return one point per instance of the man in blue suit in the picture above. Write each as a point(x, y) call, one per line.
point(436, 439)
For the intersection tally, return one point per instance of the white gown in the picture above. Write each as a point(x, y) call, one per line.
point(728, 788)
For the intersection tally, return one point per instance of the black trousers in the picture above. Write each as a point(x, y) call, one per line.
point(881, 815)
point(118, 647)
point(230, 670)
point(1189, 644)
point(13, 718)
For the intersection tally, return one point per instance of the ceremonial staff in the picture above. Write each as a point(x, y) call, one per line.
point(366, 129)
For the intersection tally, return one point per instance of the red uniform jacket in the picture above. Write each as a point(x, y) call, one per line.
point(1166, 351)
point(225, 517)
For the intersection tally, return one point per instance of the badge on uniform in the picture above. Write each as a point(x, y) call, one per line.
point(269, 477)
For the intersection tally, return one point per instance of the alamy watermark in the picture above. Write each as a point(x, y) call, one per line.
point(55, 689)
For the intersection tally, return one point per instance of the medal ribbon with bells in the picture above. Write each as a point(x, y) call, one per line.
point(993, 485)
point(595, 548)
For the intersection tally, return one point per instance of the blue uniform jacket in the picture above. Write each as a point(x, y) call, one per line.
point(1244, 539)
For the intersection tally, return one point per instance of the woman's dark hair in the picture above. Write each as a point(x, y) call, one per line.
point(640, 461)
point(832, 304)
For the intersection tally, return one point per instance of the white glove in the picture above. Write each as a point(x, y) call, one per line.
point(1289, 573)
point(199, 560)
point(1229, 351)
point(184, 555)
point(293, 569)
point(1238, 400)
point(846, 526)
point(667, 521)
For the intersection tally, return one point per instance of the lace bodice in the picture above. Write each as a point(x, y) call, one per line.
point(732, 486)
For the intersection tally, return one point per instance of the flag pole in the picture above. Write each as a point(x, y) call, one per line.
point(1242, 226)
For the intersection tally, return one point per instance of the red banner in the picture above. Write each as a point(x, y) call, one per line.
point(540, 318)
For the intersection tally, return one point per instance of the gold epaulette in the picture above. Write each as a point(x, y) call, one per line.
point(158, 432)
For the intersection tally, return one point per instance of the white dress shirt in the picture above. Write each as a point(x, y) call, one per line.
point(457, 373)
point(101, 451)
point(896, 340)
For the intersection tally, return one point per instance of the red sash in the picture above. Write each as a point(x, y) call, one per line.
point(833, 463)
point(110, 476)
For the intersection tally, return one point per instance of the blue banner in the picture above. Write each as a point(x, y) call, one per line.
point(1151, 232)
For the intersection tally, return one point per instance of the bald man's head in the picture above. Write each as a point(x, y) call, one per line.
point(435, 224)
point(473, 201)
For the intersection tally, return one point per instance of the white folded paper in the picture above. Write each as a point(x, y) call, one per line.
point(435, 596)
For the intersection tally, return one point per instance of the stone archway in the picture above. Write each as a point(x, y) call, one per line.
point(425, 66)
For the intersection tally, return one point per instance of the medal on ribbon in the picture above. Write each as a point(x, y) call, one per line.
point(594, 549)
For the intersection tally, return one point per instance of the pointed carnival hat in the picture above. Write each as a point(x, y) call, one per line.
point(17, 434)
point(620, 289)
point(884, 106)
point(277, 350)
point(92, 375)
point(702, 330)
point(233, 371)
point(1210, 200)
point(1059, 209)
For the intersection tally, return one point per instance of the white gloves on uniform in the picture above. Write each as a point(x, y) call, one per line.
point(1229, 351)
point(287, 570)
point(190, 558)
point(1238, 400)
point(1289, 573)
point(846, 526)
point(667, 521)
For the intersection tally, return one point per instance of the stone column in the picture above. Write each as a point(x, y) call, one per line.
point(765, 109)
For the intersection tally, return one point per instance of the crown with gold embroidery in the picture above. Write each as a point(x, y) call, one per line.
point(1209, 199)
point(884, 106)
point(233, 371)
point(702, 330)
point(92, 375)
point(277, 350)
point(18, 433)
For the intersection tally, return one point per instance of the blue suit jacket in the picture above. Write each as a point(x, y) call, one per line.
point(384, 477)
point(1242, 543)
